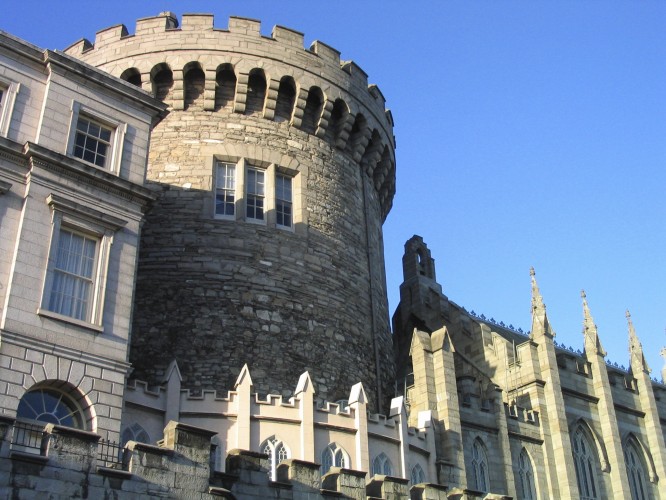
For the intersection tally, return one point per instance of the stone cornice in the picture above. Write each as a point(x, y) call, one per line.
point(40, 157)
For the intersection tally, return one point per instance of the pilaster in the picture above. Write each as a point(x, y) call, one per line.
point(610, 433)
point(173, 384)
point(653, 429)
point(358, 402)
point(561, 475)
point(398, 412)
point(305, 395)
point(243, 408)
point(447, 406)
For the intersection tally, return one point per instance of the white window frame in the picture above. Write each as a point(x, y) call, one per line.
point(9, 92)
point(116, 144)
point(218, 168)
point(290, 202)
point(259, 196)
point(277, 453)
point(334, 456)
point(270, 172)
point(71, 216)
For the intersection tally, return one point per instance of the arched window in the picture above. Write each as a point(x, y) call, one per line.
point(586, 465)
point(339, 115)
point(526, 484)
point(479, 467)
point(333, 456)
point(132, 75)
point(636, 470)
point(277, 453)
point(314, 105)
point(162, 79)
point(135, 433)
point(51, 406)
point(382, 465)
point(225, 88)
point(285, 99)
point(256, 92)
point(417, 476)
point(195, 82)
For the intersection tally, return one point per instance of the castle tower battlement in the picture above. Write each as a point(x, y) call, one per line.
point(274, 172)
point(196, 45)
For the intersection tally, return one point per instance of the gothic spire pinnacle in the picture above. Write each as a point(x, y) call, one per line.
point(537, 299)
point(591, 336)
point(540, 324)
point(635, 347)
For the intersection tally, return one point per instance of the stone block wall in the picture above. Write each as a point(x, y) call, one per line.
point(218, 292)
point(67, 463)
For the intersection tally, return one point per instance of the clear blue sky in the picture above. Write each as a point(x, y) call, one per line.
point(529, 134)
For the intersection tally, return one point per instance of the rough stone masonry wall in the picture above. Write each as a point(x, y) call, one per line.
point(216, 294)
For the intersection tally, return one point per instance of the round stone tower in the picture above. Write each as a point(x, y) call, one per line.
point(273, 174)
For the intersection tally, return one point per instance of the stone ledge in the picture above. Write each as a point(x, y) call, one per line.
point(29, 457)
point(111, 472)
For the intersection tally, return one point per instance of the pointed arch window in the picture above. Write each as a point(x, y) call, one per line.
point(636, 470)
point(586, 465)
point(417, 476)
point(277, 453)
point(333, 456)
point(135, 432)
point(381, 465)
point(526, 482)
point(479, 467)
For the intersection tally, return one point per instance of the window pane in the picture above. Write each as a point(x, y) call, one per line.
point(92, 141)
point(72, 275)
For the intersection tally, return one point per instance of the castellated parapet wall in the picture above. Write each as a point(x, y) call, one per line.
point(218, 288)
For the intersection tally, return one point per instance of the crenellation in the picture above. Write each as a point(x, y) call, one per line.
point(287, 36)
point(326, 52)
point(244, 25)
point(110, 35)
point(200, 23)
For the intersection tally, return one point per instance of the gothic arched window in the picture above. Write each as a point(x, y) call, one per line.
point(333, 456)
point(381, 465)
point(526, 482)
point(417, 476)
point(479, 467)
point(586, 465)
point(277, 453)
point(635, 470)
point(135, 433)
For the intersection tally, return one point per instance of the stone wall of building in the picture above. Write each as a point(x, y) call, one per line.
point(539, 418)
point(215, 291)
point(49, 196)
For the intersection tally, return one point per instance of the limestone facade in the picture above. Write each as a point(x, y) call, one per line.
point(543, 420)
point(50, 196)
point(220, 285)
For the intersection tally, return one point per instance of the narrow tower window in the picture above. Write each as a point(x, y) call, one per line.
point(225, 190)
point(283, 201)
point(255, 194)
